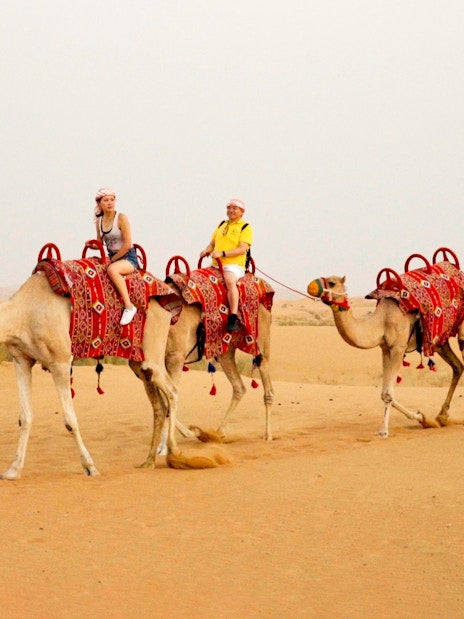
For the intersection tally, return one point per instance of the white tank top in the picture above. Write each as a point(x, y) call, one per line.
point(112, 238)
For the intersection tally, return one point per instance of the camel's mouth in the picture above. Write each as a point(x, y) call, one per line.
point(316, 287)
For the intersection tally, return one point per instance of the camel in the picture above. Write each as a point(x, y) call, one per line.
point(34, 326)
point(395, 333)
point(181, 340)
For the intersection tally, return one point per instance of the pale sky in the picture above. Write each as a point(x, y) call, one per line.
point(338, 122)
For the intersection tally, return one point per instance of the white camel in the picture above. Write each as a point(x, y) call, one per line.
point(395, 333)
point(181, 340)
point(34, 326)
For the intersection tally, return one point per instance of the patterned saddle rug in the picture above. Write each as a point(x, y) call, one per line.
point(207, 287)
point(437, 295)
point(96, 307)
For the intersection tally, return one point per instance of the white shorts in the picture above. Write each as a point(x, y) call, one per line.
point(236, 269)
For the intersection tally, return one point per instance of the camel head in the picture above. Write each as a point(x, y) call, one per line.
point(331, 291)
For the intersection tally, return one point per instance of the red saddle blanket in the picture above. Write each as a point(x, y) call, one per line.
point(96, 307)
point(439, 298)
point(207, 287)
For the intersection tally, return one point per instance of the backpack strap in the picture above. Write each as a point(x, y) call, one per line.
point(248, 254)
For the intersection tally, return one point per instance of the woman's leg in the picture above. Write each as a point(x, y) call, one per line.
point(116, 271)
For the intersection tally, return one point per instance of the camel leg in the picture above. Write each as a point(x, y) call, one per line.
point(175, 360)
point(159, 387)
point(60, 373)
point(23, 366)
point(238, 388)
point(391, 360)
point(162, 449)
point(448, 355)
point(264, 371)
point(162, 394)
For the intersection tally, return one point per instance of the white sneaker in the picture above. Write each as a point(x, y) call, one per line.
point(127, 315)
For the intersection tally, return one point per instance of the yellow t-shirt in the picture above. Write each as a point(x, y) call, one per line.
point(229, 235)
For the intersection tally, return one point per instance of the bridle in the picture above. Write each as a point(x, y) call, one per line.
point(328, 295)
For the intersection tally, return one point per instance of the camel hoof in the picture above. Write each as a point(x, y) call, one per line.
point(425, 423)
point(207, 436)
point(10, 475)
point(148, 464)
point(91, 471)
point(442, 420)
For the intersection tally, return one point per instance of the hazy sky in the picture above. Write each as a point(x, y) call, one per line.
point(338, 122)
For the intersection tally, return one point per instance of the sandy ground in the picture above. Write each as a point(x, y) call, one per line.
point(327, 520)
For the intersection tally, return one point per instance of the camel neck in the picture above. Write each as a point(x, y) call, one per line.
point(365, 332)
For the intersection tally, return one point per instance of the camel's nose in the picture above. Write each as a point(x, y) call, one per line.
point(315, 288)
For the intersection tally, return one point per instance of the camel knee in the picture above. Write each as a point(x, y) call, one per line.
point(238, 391)
point(154, 378)
point(268, 399)
point(386, 397)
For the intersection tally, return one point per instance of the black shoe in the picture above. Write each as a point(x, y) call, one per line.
point(232, 323)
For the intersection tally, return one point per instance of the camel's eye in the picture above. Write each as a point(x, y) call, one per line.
point(331, 284)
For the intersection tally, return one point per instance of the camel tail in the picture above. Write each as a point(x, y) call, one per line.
point(180, 461)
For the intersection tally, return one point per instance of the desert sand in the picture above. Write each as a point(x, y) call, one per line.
point(327, 520)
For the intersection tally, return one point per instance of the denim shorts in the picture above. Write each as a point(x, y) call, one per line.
point(131, 257)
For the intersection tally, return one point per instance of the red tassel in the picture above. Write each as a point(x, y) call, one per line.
point(398, 379)
point(213, 390)
point(185, 368)
point(73, 393)
point(254, 384)
point(420, 366)
point(406, 364)
point(100, 390)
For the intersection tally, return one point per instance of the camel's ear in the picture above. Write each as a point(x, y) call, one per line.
point(343, 279)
